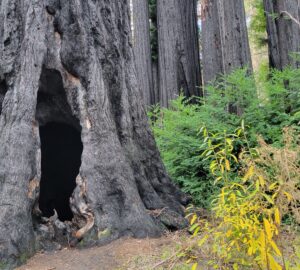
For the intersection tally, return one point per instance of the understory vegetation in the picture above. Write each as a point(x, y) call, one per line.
point(237, 154)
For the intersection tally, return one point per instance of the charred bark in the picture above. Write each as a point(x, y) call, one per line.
point(225, 44)
point(142, 49)
point(70, 62)
point(178, 49)
point(283, 28)
point(3, 90)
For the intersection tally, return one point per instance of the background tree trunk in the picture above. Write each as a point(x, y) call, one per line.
point(283, 32)
point(70, 62)
point(178, 57)
point(142, 49)
point(225, 44)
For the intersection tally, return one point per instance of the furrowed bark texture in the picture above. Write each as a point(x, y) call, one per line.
point(178, 57)
point(225, 44)
point(142, 49)
point(283, 27)
point(75, 56)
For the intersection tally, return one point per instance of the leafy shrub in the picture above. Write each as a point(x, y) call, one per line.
point(176, 129)
point(246, 228)
point(177, 135)
point(283, 90)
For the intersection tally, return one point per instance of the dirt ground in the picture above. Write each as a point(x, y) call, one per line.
point(122, 254)
point(134, 254)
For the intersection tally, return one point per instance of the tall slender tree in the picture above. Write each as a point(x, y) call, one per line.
point(68, 65)
point(178, 49)
point(142, 49)
point(225, 44)
point(283, 27)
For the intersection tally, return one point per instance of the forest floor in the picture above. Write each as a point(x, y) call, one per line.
point(126, 253)
point(140, 254)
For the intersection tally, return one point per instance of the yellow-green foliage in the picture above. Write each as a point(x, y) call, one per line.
point(259, 187)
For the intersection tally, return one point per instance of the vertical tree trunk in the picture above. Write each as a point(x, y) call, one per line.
point(283, 18)
point(225, 41)
point(178, 58)
point(70, 62)
point(142, 49)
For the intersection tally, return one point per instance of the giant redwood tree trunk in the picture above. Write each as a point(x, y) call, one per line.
point(178, 57)
point(225, 44)
point(142, 49)
point(72, 109)
point(283, 17)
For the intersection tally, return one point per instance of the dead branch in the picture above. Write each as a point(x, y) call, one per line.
point(291, 17)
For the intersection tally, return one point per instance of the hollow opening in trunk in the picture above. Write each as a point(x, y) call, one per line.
point(61, 146)
point(61, 158)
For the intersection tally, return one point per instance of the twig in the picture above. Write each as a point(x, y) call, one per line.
point(164, 261)
point(156, 212)
point(173, 265)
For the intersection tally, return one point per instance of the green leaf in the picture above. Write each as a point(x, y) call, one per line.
point(268, 198)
